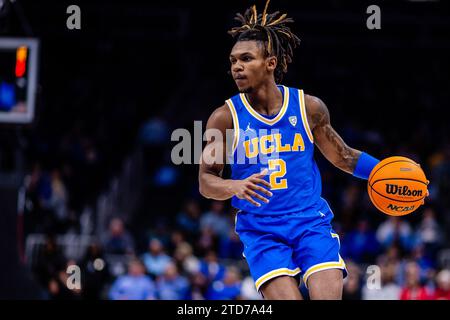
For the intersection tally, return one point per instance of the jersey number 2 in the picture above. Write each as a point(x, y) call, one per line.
point(280, 166)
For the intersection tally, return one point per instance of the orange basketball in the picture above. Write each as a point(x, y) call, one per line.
point(397, 186)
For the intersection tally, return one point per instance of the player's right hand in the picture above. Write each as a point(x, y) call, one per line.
point(245, 189)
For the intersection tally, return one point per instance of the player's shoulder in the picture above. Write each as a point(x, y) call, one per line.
point(316, 110)
point(314, 105)
point(222, 113)
point(221, 118)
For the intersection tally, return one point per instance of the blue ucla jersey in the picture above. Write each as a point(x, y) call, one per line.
point(284, 145)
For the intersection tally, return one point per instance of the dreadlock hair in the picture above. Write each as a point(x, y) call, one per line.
point(270, 29)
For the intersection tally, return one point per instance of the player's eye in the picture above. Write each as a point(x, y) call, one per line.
point(247, 58)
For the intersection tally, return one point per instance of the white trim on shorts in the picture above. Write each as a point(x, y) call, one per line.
point(323, 266)
point(275, 273)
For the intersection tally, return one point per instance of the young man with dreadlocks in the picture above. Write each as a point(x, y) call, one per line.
point(283, 222)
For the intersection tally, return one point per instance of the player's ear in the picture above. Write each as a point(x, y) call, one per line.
point(271, 63)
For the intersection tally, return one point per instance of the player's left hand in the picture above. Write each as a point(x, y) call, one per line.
point(245, 189)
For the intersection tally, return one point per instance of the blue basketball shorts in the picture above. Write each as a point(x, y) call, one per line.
point(294, 244)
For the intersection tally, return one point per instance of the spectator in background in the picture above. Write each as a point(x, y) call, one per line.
point(389, 289)
point(216, 220)
point(185, 259)
point(443, 285)
point(248, 290)
point(211, 268)
point(58, 290)
point(171, 285)
point(40, 183)
point(228, 288)
point(176, 238)
point(199, 285)
point(188, 220)
point(392, 255)
point(58, 201)
point(350, 196)
point(352, 284)
point(360, 245)
point(429, 233)
point(118, 240)
point(160, 230)
point(155, 260)
point(413, 290)
point(207, 241)
point(427, 266)
point(39, 192)
point(95, 272)
point(349, 205)
point(395, 230)
point(57, 286)
point(49, 261)
point(133, 286)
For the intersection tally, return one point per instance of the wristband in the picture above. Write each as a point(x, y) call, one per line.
point(364, 166)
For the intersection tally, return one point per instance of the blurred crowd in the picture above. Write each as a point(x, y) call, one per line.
point(199, 256)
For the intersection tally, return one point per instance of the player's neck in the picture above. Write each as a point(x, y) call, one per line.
point(267, 99)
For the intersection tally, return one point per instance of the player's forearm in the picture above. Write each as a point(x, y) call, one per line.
point(354, 162)
point(347, 159)
point(336, 150)
point(214, 187)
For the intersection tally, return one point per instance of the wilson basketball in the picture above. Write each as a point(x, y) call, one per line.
point(397, 186)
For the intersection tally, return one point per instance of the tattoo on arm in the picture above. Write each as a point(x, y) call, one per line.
point(328, 140)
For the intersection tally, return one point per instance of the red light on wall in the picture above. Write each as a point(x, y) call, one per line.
point(21, 61)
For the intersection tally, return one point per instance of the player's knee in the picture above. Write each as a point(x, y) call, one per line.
point(281, 288)
point(327, 284)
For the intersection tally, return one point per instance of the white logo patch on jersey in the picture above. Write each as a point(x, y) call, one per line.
point(293, 120)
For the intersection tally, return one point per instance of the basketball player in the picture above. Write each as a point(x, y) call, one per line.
point(283, 222)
